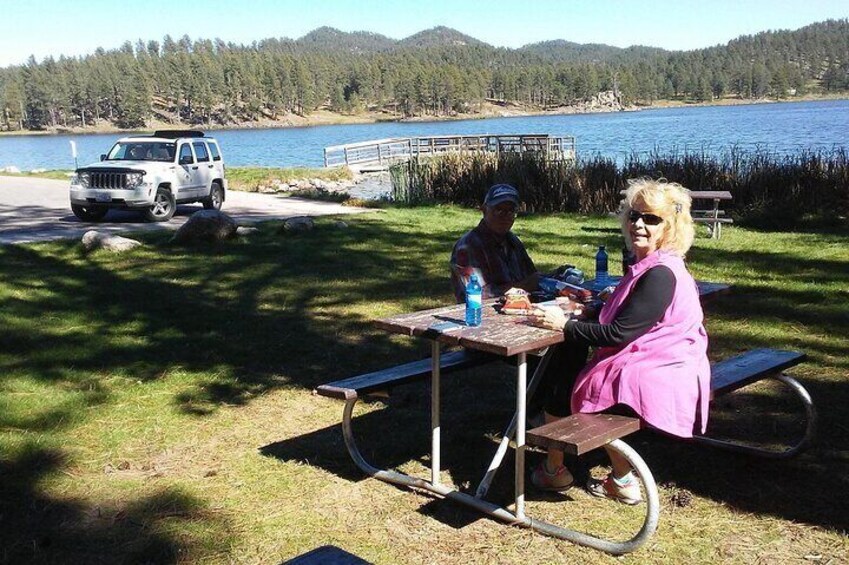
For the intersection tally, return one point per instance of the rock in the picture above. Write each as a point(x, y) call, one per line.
point(340, 225)
point(298, 224)
point(95, 240)
point(206, 226)
point(244, 230)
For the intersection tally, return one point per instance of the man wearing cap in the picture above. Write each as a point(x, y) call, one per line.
point(500, 260)
point(492, 251)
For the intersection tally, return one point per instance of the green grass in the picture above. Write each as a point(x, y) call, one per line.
point(156, 406)
point(250, 179)
point(57, 174)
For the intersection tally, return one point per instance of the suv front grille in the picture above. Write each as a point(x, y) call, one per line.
point(111, 180)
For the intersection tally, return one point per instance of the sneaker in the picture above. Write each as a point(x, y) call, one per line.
point(561, 479)
point(608, 488)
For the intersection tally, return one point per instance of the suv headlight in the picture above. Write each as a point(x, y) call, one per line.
point(81, 179)
point(134, 179)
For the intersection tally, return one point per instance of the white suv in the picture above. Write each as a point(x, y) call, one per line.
point(152, 174)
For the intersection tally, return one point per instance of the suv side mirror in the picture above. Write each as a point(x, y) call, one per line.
point(103, 156)
point(186, 160)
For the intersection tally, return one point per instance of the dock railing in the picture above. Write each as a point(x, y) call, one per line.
point(383, 152)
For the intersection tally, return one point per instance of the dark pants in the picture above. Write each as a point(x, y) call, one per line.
point(554, 392)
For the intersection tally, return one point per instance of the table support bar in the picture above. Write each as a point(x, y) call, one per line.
point(614, 547)
point(810, 428)
point(507, 437)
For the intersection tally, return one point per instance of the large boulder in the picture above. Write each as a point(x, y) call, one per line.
point(206, 226)
point(246, 230)
point(298, 224)
point(95, 240)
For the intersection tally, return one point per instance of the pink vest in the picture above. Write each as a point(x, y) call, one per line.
point(663, 375)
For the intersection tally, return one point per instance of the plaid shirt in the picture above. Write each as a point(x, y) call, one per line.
point(499, 262)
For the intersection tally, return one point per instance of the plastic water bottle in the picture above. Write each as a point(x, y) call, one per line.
point(474, 298)
point(601, 277)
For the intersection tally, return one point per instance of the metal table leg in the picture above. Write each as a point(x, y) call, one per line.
point(801, 445)
point(504, 444)
point(521, 409)
point(435, 440)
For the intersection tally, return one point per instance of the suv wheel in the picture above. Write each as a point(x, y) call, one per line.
point(89, 213)
point(164, 206)
point(215, 198)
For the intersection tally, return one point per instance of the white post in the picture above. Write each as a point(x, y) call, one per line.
point(521, 389)
point(434, 414)
point(74, 152)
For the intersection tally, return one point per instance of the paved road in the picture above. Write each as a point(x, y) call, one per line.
point(33, 209)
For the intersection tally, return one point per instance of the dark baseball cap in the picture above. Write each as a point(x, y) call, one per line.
point(501, 193)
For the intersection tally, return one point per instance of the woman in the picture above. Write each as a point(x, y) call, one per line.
point(650, 345)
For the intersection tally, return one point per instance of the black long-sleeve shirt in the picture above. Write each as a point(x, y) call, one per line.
point(649, 299)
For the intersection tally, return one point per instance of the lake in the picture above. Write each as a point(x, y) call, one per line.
point(783, 128)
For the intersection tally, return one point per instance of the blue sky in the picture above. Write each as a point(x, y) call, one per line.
point(66, 27)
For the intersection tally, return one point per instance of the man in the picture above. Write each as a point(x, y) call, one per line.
point(500, 260)
point(492, 251)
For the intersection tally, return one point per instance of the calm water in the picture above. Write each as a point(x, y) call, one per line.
point(784, 128)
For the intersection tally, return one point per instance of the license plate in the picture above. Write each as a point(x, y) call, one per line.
point(103, 197)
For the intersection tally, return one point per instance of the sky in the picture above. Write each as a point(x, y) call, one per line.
point(43, 28)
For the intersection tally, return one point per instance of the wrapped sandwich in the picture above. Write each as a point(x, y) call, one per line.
point(516, 301)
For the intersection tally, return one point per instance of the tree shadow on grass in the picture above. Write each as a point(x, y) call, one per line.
point(36, 527)
point(247, 317)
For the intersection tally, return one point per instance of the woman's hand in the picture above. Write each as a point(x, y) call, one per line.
point(552, 318)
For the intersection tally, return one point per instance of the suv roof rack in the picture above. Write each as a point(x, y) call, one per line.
point(177, 133)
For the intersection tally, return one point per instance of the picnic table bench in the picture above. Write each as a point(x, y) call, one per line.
point(580, 433)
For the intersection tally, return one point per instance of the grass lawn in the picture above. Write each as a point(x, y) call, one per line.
point(156, 406)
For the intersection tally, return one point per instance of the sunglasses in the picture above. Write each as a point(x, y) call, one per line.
point(648, 219)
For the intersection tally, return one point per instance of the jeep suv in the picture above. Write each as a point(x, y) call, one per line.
point(152, 174)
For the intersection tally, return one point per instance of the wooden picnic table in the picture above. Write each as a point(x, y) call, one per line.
point(713, 215)
point(508, 336)
point(511, 336)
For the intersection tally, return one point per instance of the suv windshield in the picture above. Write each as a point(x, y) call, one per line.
point(143, 151)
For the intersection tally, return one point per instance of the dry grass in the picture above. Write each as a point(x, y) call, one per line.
point(156, 406)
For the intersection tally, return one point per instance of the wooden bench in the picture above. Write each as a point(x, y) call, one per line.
point(369, 383)
point(580, 433)
point(713, 216)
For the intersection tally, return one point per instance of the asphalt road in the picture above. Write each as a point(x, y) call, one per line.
point(33, 209)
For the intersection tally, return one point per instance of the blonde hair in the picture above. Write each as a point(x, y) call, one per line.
point(670, 201)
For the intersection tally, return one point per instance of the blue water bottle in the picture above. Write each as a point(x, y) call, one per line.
point(601, 277)
point(474, 299)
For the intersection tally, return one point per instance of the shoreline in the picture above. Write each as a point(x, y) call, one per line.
point(326, 118)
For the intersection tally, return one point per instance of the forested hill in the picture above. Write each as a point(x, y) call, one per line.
point(435, 72)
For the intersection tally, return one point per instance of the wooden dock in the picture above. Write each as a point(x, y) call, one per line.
point(380, 153)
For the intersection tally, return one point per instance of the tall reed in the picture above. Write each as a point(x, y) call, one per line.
point(768, 188)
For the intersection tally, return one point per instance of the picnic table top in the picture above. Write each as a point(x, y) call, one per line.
point(501, 334)
point(711, 194)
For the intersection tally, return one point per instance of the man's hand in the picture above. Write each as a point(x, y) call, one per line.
point(551, 318)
